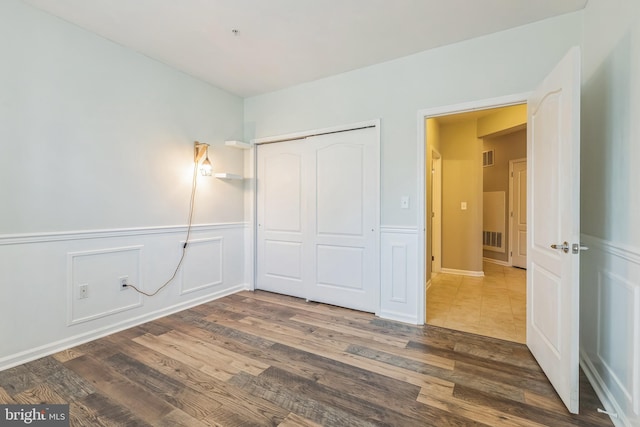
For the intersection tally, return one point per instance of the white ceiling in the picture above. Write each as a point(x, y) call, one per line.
point(282, 43)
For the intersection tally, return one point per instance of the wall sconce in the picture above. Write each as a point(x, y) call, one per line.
point(202, 150)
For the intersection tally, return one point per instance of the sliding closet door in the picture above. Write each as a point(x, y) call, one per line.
point(344, 220)
point(318, 216)
point(282, 218)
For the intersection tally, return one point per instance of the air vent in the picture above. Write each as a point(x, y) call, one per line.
point(492, 239)
point(488, 158)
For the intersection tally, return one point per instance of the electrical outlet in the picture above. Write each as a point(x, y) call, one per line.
point(83, 291)
point(124, 283)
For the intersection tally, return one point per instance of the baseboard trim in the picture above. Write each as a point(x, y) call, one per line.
point(48, 349)
point(609, 403)
point(462, 272)
point(399, 317)
point(497, 261)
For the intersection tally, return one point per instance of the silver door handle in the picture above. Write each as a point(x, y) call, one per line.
point(564, 247)
point(577, 247)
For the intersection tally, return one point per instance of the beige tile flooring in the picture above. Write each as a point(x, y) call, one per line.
point(493, 305)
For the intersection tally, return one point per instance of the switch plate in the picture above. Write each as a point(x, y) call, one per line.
point(404, 202)
point(463, 206)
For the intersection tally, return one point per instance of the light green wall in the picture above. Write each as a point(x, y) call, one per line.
point(96, 136)
point(610, 127)
point(505, 63)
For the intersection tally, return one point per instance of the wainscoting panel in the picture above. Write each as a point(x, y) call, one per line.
point(42, 308)
point(98, 272)
point(203, 266)
point(610, 325)
point(399, 288)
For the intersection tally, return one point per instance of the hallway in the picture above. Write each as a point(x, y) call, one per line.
point(494, 305)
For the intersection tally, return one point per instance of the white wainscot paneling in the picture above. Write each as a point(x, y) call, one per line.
point(203, 267)
point(400, 291)
point(41, 311)
point(610, 326)
point(98, 272)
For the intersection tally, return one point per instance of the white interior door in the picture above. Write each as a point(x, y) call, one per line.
point(318, 218)
point(518, 202)
point(554, 219)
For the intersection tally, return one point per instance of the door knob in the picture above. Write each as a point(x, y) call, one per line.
point(564, 247)
point(577, 247)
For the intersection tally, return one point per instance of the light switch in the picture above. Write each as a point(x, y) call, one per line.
point(463, 206)
point(404, 202)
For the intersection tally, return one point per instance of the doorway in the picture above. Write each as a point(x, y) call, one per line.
point(477, 289)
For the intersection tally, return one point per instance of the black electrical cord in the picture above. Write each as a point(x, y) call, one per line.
point(192, 203)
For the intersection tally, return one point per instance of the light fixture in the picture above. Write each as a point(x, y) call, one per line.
point(202, 150)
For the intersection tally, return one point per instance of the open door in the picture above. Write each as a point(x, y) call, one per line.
point(553, 216)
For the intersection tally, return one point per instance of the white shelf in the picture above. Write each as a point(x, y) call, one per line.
point(228, 176)
point(238, 144)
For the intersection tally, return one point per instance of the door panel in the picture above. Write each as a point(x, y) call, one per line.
point(340, 267)
point(281, 225)
point(554, 218)
point(340, 175)
point(282, 193)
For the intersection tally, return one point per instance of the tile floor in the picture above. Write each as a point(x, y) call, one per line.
point(493, 305)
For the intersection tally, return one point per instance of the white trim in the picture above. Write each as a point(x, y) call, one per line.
point(497, 261)
point(469, 273)
point(399, 317)
point(423, 114)
point(220, 266)
point(71, 297)
point(626, 252)
point(606, 398)
point(48, 349)
point(60, 236)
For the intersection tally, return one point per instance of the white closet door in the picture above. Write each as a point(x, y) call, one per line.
point(318, 216)
point(344, 220)
point(282, 218)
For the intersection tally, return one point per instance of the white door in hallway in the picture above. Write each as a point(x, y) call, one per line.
point(518, 200)
point(553, 156)
point(318, 218)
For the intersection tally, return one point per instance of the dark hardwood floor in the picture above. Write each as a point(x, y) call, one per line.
point(265, 359)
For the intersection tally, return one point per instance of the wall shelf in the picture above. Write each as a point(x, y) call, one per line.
point(228, 176)
point(238, 144)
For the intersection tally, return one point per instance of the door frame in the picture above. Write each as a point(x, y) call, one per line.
point(251, 189)
point(422, 116)
point(511, 205)
point(436, 192)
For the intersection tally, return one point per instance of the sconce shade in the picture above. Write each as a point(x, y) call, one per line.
point(206, 168)
point(202, 150)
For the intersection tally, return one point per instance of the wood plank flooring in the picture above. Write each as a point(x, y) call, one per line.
point(262, 359)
